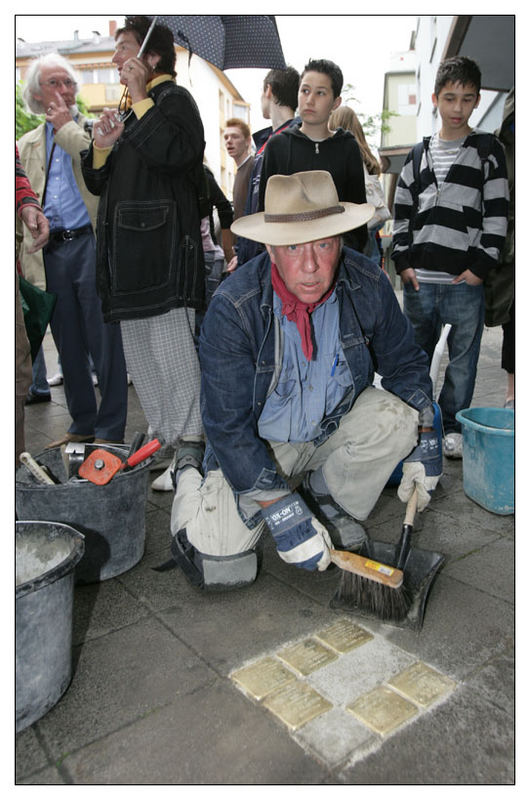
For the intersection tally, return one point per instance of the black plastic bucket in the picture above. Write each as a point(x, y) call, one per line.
point(111, 517)
point(46, 556)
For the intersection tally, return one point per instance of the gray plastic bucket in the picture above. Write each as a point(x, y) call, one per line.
point(46, 556)
point(111, 517)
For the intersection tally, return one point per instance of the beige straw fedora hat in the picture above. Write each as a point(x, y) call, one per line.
point(301, 208)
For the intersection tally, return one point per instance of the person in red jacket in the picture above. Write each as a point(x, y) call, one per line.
point(30, 212)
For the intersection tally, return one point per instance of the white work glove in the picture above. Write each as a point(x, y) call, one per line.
point(422, 469)
point(301, 540)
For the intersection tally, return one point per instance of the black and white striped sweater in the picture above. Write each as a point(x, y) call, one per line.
point(460, 224)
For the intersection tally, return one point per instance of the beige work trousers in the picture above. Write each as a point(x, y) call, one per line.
point(357, 461)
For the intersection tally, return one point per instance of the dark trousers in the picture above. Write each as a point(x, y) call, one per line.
point(78, 330)
point(508, 343)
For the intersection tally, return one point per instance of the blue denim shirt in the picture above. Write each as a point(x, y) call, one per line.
point(238, 359)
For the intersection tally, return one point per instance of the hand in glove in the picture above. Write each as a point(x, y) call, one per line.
point(423, 468)
point(300, 538)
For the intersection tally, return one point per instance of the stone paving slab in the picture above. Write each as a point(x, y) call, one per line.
point(262, 617)
point(29, 754)
point(490, 569)
point(101, 608)
point(462, 629)
point(118, 679)
point(495, 680)
point(215, 736)
point(465, 740)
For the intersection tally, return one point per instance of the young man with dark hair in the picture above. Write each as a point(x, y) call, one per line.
point(279, 100)
point(450, 221)
point(312, 145)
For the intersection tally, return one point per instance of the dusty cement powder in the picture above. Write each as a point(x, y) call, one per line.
point(36, 556)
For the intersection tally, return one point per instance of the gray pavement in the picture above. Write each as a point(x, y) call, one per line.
point(155, 696)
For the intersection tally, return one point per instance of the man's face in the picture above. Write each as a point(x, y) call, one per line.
point(126, 47)
point(266, 101)
point(308, 269)
point(456, 102)
point(55, 81)
point(236, 144)
point(315, 98)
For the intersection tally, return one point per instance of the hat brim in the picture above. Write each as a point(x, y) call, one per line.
point(255, 227)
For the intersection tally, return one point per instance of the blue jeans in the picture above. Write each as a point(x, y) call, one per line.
point(462, 306)
point(39, 383)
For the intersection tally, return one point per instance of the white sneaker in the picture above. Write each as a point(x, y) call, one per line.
point(56, 380)
point(164, 482)
point(453, 445)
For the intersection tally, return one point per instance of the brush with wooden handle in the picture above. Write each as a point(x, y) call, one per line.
point(367, 568)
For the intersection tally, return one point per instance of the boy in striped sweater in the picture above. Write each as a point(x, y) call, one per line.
point(450, 220)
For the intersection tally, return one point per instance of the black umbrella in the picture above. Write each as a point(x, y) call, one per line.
point(227, 41)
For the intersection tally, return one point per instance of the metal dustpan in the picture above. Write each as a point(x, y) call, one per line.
point(419, 572)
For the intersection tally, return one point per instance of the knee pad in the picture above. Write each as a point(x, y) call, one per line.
point(215, 573)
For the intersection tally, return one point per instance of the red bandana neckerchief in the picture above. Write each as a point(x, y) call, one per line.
point(295, 309)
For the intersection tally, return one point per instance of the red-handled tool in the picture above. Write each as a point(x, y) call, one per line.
point(101, 465)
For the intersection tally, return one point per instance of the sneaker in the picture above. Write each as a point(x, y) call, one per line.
point(164, 482)
point(452, 445)
point(56, 380)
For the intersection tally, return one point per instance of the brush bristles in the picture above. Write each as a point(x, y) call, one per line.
point(374, 598)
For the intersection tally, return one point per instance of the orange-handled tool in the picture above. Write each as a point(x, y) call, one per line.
point(101, 465)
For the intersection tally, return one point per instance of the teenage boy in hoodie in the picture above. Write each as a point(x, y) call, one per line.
point(312, 145)
point(450, 221)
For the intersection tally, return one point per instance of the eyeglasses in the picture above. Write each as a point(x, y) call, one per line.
point(54, 84)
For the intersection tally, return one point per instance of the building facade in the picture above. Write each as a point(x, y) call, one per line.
point(99, 87)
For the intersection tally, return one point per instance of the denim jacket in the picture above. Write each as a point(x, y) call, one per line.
point(238, 360)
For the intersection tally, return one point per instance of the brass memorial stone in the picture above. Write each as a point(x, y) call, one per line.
point(262, 677)
point(296, 704)
point(307, 656)
point(422, 684)
point(344, 636)
point(382, 710)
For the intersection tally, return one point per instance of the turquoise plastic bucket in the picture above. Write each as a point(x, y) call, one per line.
point(488, 457)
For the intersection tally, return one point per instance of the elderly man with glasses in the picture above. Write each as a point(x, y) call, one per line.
point(50, 155)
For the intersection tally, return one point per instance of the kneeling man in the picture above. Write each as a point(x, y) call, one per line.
point(299, 441)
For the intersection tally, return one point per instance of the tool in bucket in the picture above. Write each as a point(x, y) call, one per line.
point(404, 606)
point(101, 465)
point(36, 469)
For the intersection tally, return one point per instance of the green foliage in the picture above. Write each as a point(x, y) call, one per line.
point(24, 120)
point(373, 124)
